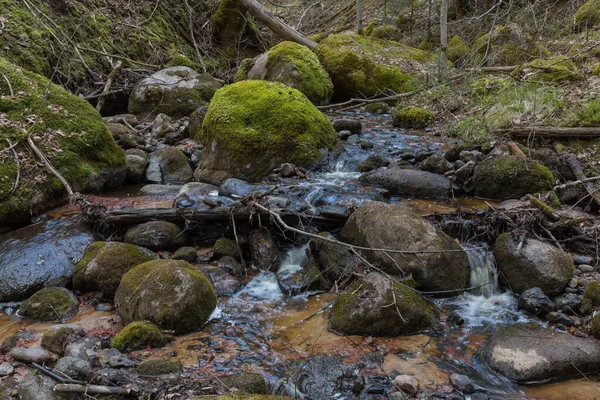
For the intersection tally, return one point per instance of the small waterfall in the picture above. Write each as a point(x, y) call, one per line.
point(484, 274)
point(293, 261)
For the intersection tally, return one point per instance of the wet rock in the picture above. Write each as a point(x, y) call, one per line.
point(81, 349)
point(160, 190)
point(224, 283)
point(579, 259)
point(159, 367)
point(510, 177)
point(50, 304)
point(471, 155)
point(535, 301)
point(559, 318)
point(527, 353)
point(6, 369)
point(335, 263)
point(175, 91)
point(138, 335)
point(123, 135)
point(347, 124)
point(13, 340)
point(569, 303)
point(596, 326)
point(40, 255)
point(104, 263)
point(324, 377)
point(366, 145)
point(374, 161)
point(168, 166)
point(56, 338)
point(465, 173)
point(136, 167)
point(361, 309)
point(156, 235)
point(407, 384)
point(377, 108)
point(32, 355)
point(237, 187)
point(436, 164)
point(536, 264)
point(462, 383)
point(586, 268)
point(591, 297)
point(178, 298)
point(196, 119)
point(246, 383)
point(225, 247)
point(264, 250)
point(409, 183)
point(339, 212)
point(74, 367)
point(396, 227)
point(186, 254)
point(287, 170)
point(232, 266)
point(344, 135)
point(37, 387)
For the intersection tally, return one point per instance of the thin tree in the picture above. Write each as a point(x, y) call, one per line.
point(359, 27)
point(444, 40)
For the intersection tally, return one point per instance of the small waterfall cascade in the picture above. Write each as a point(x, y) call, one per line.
point(483, 275)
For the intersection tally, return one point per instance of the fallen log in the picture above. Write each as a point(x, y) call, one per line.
point(90, 389)
point(550, 132)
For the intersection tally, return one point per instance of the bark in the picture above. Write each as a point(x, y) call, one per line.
point(444, 40)
point(275, 24)
point(359, 27)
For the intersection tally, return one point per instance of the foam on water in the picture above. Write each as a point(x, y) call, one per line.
point(263, 288)
point(292, 261)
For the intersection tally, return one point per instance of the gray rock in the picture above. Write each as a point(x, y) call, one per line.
point(569, 303)
point(409, 183)
point(119, 119)
point(287, 170)
point(162, 125)
point(536, 264)
point(535, 301)
point(224, 283)
point(74, 367)
point(136, 167)
point(237, 187)
point(581, 259)
point(37, 387)
point(471, 155)
point(56, 338)
point(160, 190)
point(436, 164)
point(559, 318)
point(156, 235)
point(527, 353)
point(196, 119)
point(464, 173)
point(374, 161)
point(196, 190)
point(81, 349)
point(586, 268)
point(344, 135)
point(185, 253)
point(32, 355)
point(347, 124)
point(232, 266)
point(6, 369)
point(335, 263)
point(168, 166)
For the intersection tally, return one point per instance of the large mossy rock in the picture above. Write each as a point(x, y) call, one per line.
point(67, 129)
point(362, 66)
point(527, 353)
point(509, 177)
point(411, 117)
point(458, 49)
point(50, 304)
point(396, 227)
point(138, 335)
point(175, 91)
point(168, 293)
point(588, 15)
point(556, 70)
point(104, 263)
point(378, 306)
point(252, 127)
point(293, 65)
point(535, 264)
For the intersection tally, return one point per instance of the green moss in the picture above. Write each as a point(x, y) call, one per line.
point(386, 32)
point(596, 327)
point(246, 383)
point(50, 304)
point(429, 42)
point(487, 85)
point(377, 108)
point(507, 45)
point(138, 335)
point(314, 81)
point(457, 48)
point(471, 130)
point(253, 126)
point(588, 14)
point(242, 72)
point(364, 66)
point(371, 26)
point(555, 70)
point(181, 60)
point(9, 343)
point(226, 247)
point(411, 117)
point(596, 71)
point(159, 367)
point(590, 114)
point(591, 297)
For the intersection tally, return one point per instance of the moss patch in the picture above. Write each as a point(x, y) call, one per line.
point(50, 304)
point(590, 114)
point(596, 327)
point(554, 70)
point(226, 247)
point(588, 14)
point(596, 71)
point(246, 383)
point(138, 335)
point(591, 297)
point(411, 117)
point(457, 48)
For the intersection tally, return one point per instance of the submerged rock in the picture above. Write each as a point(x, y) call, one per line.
point(156, 235)
point(396, 227)
point(104, 264)
point(409, 183)
point(364, 309)
point(168, 293)
point(536, 264)
point(527, 353)
point(50, 304)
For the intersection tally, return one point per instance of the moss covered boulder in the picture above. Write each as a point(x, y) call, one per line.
point(364, 309)
point(138, 335)
point(68, 131)
point(56, 338)
point(293, 65)
point(535, 264)
point(396, 227)
point(507, 45)
point(588, 15)
point(50, 304)
point(591, 297)
point(168, 293)
point(252, 127)
point(362, 66)
point(458, 49)
point(156, 235)
point(411, 117)
point(104, 264)
point(509, 177)
point(226, 247)
point(553, 70)
point(175, 91)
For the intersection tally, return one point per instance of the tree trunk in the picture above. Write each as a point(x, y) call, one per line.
point(359, 27)
point(444, 40)
point(275, 24)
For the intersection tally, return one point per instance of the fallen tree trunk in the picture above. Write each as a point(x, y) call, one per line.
point(591, 189)
point(275, 24)
point(551, 132)
point(90, 389)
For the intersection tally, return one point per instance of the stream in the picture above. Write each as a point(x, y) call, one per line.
point(285, 338)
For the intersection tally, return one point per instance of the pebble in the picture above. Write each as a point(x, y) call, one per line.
point(573, 283)
point(581, 259)
point(462, 383)
point(585, 268)
point(6, 369)
point(576, 272)
point(407, 384)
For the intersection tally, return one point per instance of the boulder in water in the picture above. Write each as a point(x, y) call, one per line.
point(535, 301)
point(535, 264)
point(138, 335)
point(364, 309)
point(443, 265)
point(50, 304)
point(528, 353)
point(409, 183)
point(156, 235)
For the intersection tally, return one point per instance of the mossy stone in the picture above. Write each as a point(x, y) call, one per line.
point(590, 114)
point(457, 48)
point(156, 235)
point(588, 15)
point(226, 247)
point(490, 84)
point(68, 130)
point(159, 367)
point(252, 127)
point(50, 304)
point(596, 326)
point(377, 108)
point(507, 45)
point(138, 335)
point(181, 60)
point(386, 32)
point(591, 297)
point(104, 263)
point(555, 70)
point(362, 66)
point(9, 343)
point(411, 117)
point(509, 177)
point(246, 383)
point(168, 293)
point(363, 309)
point(56, 337)
point(596, 71)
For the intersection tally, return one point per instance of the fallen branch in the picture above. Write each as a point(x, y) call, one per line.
point(545, 208)
point(578, 182)
point(90, 389)
point(374, 100)
point(10, 89)
point(16, 157)
point(48, 165)
point(109, 81)
point(56, 377)
point(509, 68)
point(550, 132)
